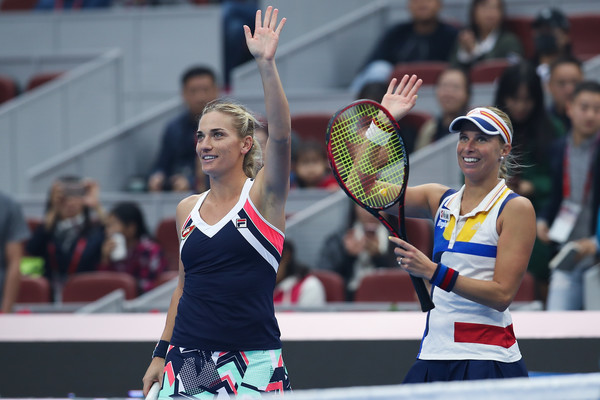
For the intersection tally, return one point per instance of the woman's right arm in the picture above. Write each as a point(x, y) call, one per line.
point(154, 373)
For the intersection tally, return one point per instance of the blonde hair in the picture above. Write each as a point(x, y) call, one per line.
point(509, 164)
point(245, 124)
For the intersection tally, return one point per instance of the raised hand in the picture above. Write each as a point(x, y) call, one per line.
point(401, 99)
point(263, 43)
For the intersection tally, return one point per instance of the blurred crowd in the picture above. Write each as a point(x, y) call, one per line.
point(554, 109)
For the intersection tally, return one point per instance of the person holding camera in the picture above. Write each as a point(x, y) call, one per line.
point(71, 235)
point(128, 246)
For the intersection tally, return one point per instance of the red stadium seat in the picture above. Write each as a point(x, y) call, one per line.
point(34, 290)
point(311, 126)
point(166, 277)
point(333, 284)
point(428, 71)
point(91, 286)
point(8, 88)
point(521, 26)
point(41, 78)
point(166, 236)
point(386, 285)
point(488, 71)
point(585, 43)
point(526, 291)
point(419, 232)
point(17, 5)
point(415, 119)
point(33, 223)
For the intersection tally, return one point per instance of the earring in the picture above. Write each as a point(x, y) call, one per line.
point(501, 158)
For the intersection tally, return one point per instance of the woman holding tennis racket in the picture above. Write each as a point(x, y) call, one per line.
point(221, 336)
point(483, 238)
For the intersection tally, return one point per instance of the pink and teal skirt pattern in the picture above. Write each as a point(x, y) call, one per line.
point(200, 374)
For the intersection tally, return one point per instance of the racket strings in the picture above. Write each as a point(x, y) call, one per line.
point(368, 155)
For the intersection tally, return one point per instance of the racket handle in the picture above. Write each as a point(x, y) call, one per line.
point(153, 392)
point(422, 294)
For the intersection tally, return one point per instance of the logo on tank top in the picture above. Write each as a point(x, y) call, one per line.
point(444, 218)
point(241, 223)
point(187, 231)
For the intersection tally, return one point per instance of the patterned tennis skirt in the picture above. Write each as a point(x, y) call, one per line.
point(200, 374)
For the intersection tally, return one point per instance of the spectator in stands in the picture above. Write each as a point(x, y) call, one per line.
point(13, 232)
point(453, 93)
point(551, 40)
point(565, 74)
point(571, 215)
point(519, 93)
point(128, 246)
point(375, 91)
point(358, 249)
point(485, 38)
point(482, 242)
point(295, 285)
point(70, 239)
point(424, 38)
point(175, 166)
point(310, 168)
point(236, 14)
point(71, 4)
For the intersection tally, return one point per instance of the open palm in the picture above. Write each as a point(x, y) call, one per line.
point(263, 43)
point(400, 100)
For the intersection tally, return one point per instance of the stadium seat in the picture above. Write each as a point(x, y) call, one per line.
point(166, 236)
point(8, 88)
point(386, 285)
point(33, 224)
point(585, 43)
point(34, 290)
point(17, 5)
point(166, 277)
point(488, 71)
point(41, 78)
point(333, 284)
point(91, 286)
point(428, 71)
point(415, 119)
point(521, 26)
point(311, 126)
point(526, 291)
point(419, 232)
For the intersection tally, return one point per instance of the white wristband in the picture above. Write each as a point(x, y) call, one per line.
point(376, 135)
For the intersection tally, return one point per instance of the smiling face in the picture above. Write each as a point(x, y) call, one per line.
point(219, 146)
point(479, 154)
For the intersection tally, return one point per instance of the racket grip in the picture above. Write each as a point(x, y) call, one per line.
point(154, 391)
point(422, 294)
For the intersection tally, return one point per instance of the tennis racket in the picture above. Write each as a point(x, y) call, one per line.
point(153, 392)
point(369, 162)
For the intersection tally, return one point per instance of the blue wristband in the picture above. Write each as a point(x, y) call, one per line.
point(444, 277)
point(161, 349)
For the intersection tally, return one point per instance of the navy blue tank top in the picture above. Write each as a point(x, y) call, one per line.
point(230, 270)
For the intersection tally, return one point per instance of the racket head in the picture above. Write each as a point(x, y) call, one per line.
point(367, 154)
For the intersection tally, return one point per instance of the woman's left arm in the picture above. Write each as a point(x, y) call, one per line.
point(516, 227)
point(273, 179)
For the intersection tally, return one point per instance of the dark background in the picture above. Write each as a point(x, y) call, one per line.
point(111, 369)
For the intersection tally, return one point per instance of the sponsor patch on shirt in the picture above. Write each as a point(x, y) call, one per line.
point(187, 231)
point(241, 223)
point(444, 218)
